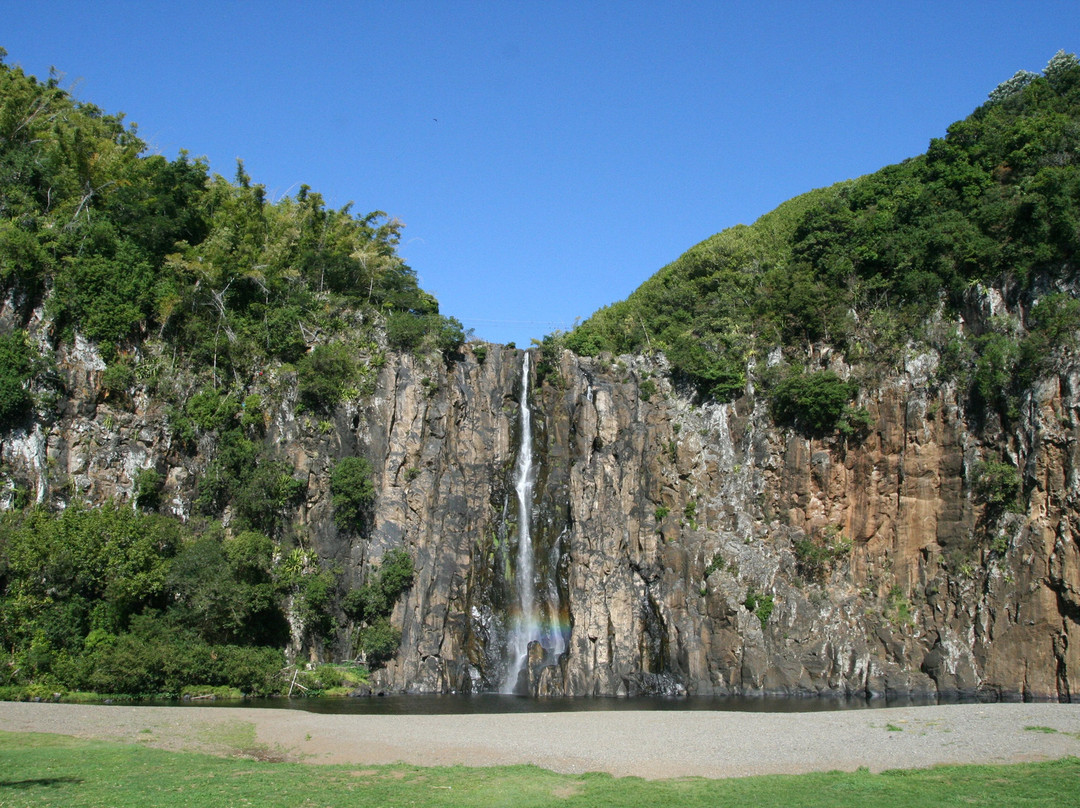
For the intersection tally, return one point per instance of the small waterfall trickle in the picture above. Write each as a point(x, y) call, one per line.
point(526, 622)
point(537, 616)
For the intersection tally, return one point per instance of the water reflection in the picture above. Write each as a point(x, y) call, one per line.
point(499, 703)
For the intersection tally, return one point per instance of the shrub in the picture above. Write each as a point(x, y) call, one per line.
point(813, 403)
point(148, 485)
point(16, 368)
point(995, 369)
point(816, 556)
point(379, 641)
point(372, 603)
point(855, 422)
point(118, 378)
point(997, 485)
point(377, 596)
point(210, 410)
point(1010, 87)
point(405, 331)
point(548, 359)
point(718, 563)
point(396, 573)
point(353, 492)
point(717, 372)
point(266, 494)
point(760, 604)
point(324, 374)
point(898, 608)
point(1053, 324)
point(251, 413)
point(408, 331)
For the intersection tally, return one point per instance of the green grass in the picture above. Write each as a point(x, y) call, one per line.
point(50, 770)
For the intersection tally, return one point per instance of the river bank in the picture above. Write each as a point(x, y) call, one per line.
point(639, 743)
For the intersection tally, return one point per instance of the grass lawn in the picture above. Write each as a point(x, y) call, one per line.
point(53, 770)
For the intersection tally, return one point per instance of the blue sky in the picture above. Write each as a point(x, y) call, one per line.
point(546, 157)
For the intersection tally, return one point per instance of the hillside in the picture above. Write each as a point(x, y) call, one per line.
point(879, 264)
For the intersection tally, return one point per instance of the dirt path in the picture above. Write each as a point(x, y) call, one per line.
point(644, 744)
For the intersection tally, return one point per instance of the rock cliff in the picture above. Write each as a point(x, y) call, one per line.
point(681, 547)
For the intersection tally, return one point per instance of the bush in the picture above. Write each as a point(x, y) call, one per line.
point(372, 603)
point(408, 331)
point(267, 494)
point(118, 378)
point(995, 369)
point(377, 596)
point(324, 375)
point(396, 573)
point(817, 556)
point(760, 604)
point(1053, 325)
point(997, 485)
point(379, 641)
point(354, 492)
point(158, 657)
point(16, 368)
point(718, 563)
point(717, 372)
point(148, 485)
point(813, 403)
point(210, 410)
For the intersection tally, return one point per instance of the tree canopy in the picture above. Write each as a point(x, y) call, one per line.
point(124, 245)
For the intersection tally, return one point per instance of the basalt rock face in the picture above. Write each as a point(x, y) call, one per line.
point(692, 531)
point(680, 542)
point(686, 547)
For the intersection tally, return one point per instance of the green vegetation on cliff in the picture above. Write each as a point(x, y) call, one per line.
point(129, 249)
point(867, 264)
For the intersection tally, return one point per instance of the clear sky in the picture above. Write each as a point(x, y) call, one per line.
point(546, 157)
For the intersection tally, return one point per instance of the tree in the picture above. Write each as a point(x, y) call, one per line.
point(1010, 87)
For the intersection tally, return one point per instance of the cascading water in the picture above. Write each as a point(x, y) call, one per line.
point(526, 622)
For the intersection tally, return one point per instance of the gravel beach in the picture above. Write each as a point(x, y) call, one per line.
point(644, 744)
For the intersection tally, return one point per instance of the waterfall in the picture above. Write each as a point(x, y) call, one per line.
point(526, 622)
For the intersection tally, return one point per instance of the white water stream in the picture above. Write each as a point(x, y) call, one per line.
point(526, 623)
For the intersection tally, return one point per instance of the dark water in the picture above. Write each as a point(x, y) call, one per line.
point(496, 703)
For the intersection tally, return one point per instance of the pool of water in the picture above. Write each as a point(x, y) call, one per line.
point(497, 703)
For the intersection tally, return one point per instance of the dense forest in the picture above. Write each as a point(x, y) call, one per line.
point(202, 294)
